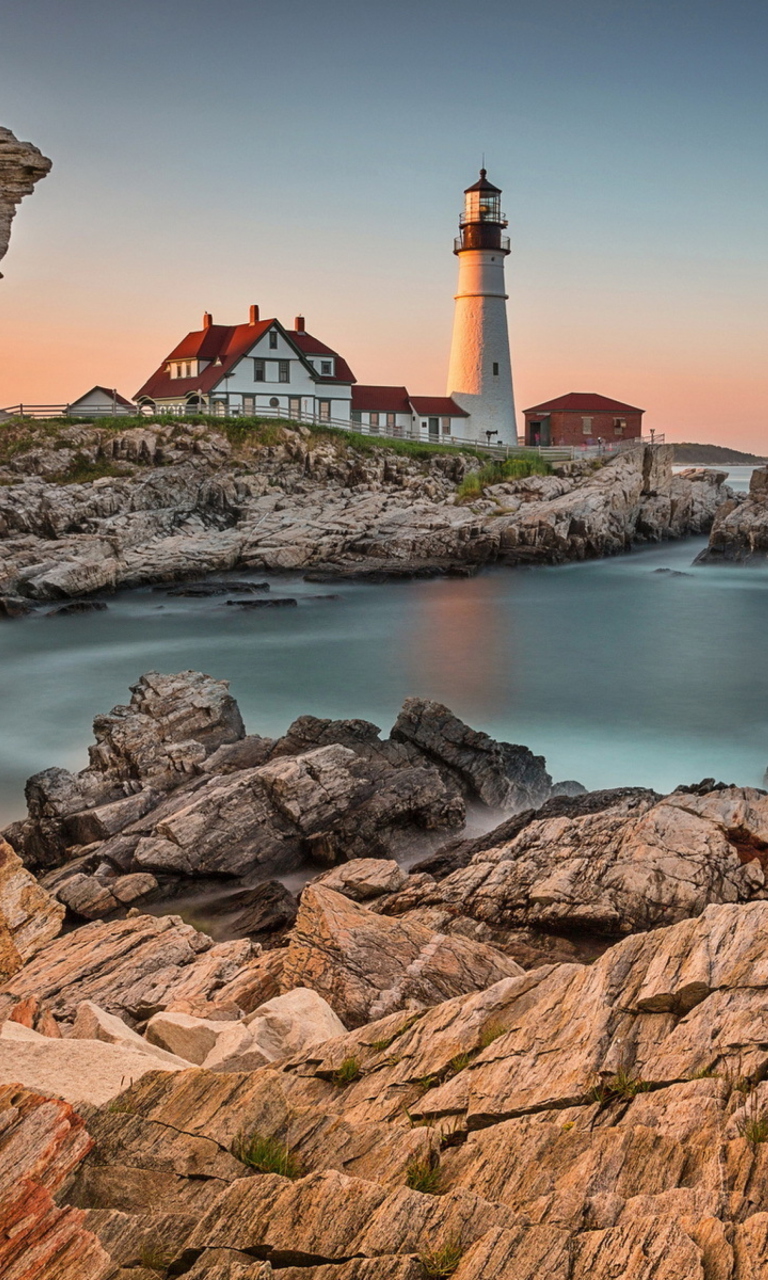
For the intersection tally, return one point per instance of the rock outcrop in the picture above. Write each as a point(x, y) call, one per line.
point(576, 1121)
point(739, 532)
point(182, 502)
point(21, 166)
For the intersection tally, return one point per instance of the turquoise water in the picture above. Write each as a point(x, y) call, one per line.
point(616, 673)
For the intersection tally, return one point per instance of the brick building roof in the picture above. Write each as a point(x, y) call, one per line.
point(443, 406)
point(583, 402)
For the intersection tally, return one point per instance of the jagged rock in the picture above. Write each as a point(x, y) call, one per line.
point(366, 965)
point(740, 530)
point(502, 775)
point(151, 746)
point(87, 896)
point(41, 1141)
point(133, 968)
point(93, 1023)
point(29, 917)
point(292, 1022)
point(265, 909)
point(80, 1071)
point(364, 878)
point(613, 867)
point(21, 166)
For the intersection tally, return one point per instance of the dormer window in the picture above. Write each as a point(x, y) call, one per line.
point(273, 339)
point(326, 368)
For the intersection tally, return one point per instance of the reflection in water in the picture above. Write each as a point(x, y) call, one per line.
point(615, 672)
point(460, 644)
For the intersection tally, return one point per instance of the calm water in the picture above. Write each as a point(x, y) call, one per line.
point(616, 673)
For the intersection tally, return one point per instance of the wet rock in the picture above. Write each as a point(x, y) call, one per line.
point(501, 775)
point(76, 607)
point(740, 530)
point(277, 602)
point(267, 908)
point(202, 589)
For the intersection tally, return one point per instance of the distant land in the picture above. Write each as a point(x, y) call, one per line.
point(707, 454)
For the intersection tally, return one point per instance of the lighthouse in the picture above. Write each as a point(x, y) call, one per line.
point(480, 371)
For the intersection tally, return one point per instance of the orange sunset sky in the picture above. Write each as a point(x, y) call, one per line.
point(312, 160)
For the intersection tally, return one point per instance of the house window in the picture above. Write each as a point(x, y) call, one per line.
point(326, 368)
point(283, 371)
point(424, 426)
point(495, 368)
point(586, 426)
point(618, 426)
point(355, 415)
point(259, 371)
point(373, 419)
point(273, 339)
point(446, 425)
point(390, 419)
point(324, 410)
point(188, 370)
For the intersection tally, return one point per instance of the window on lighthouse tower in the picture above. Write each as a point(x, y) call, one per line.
point(483, 206)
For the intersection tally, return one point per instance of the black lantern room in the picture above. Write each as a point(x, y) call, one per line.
point(482, 221)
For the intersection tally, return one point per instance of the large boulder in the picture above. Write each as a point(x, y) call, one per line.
point(632, 862)
point(500, 774)
point(80, 1071)
point(366, 965)
point(740, 530)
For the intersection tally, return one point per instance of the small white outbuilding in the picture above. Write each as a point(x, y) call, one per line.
point(101, 402)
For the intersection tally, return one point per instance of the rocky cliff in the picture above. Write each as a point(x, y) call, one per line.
point(740, 529)
point(86, 509)
point(538, 1055)
point(21, 166)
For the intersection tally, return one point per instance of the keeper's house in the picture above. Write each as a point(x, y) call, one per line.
point(254, 368)
point(261, 368)
point(582, 417)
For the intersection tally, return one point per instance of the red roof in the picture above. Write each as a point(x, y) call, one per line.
point(310, 346)
point(443, 406)
point(583, 402)
point(381, 399)
point(227, 344)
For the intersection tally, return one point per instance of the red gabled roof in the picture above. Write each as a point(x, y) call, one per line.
point(228, 344)
point(381, 399)
point(310, 346)
point(443, 406)
point(583, 402)
point(108, 391)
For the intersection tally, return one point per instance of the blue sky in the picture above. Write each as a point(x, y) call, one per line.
point(311, 158)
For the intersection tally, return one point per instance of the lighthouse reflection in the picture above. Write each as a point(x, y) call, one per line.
point(463, 646)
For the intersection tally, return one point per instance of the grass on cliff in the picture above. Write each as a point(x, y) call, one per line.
point(267, 1155)
point(424, 1176)
point(474, 485)
point(20, 435)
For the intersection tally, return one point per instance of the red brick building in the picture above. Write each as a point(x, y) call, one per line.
point(582, 417)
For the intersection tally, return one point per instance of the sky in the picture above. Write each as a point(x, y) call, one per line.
point(311, 157)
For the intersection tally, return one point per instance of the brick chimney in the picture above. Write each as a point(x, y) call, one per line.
point(298, 324)
point(254, 315)
point(207, 319)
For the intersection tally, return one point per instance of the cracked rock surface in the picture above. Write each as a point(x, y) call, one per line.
point(21, 166)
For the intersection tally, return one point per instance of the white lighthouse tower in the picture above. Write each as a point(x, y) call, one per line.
point(480, 371)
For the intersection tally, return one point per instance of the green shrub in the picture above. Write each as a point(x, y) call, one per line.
point(622, 1085)
point(267, 1155)
point(443, 1260)
point(518, 468)
point(490, 1033)
point(347, 1072)
point(81, 471)
point(459, 1063)
point(424, 1176)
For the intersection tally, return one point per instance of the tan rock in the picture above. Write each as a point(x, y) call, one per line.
point(29, 917)
point(366, 965)
point(93, 1023)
